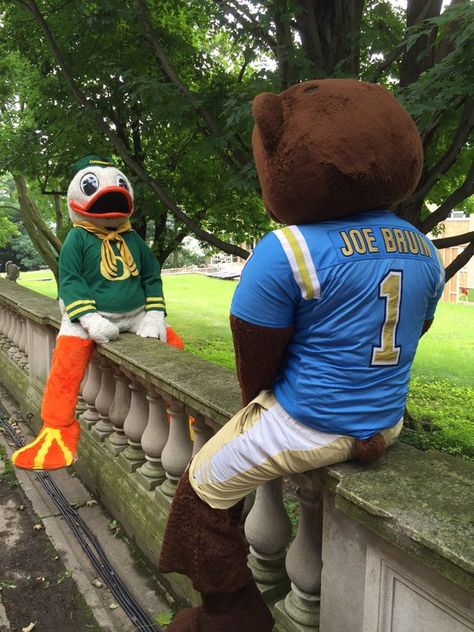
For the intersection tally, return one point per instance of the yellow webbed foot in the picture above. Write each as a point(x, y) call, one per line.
point(52, 449)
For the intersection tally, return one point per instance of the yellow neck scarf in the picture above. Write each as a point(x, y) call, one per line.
point(108, 259)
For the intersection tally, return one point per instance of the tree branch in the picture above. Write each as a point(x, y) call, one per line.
point(43, 239)
point(456, 240)
point(151, 36)
point(12, 207)
point(211, 127)
point(120, 147)
point(27, 205)
point(44, 192)
point(460, 261)
point(173, 244)
point(428, 132)
point(456, 197)
point(466, 124)
point(249, 24)
point(387, 62)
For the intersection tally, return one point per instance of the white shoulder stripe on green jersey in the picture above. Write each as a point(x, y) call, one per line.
point(299, 257)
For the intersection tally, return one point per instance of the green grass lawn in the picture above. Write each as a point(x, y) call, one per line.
point(441, 398)
point(41, 281)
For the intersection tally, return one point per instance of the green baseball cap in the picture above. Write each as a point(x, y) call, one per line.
point(92, 161)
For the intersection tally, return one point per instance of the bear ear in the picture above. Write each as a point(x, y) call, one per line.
point(268, 114)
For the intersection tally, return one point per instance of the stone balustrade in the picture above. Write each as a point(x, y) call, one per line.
point(146, 408)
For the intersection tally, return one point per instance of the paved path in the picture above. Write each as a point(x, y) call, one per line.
point(139, 578)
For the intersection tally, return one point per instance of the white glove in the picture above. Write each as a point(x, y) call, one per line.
point(99, 328)
point(153, 326)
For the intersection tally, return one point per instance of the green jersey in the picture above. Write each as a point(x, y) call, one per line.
point(85, 285)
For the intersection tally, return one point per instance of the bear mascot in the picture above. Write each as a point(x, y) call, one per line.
point(326, 320)
point(109, 282)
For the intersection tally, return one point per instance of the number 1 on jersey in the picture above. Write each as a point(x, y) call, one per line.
point(390, 289)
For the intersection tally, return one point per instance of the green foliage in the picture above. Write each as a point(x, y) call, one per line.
point(222, 55)
point(164, 618)
point(8, 210)
point(26, 254)
point(183, 256)
point(7, 230)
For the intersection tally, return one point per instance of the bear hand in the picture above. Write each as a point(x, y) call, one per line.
point(99, 328)
point(153, 326)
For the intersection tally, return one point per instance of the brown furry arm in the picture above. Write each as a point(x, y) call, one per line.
point(258, 354)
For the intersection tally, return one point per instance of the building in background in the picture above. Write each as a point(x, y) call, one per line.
point(458, 287)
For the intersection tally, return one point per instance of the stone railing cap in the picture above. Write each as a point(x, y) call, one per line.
point(38, 308)
point(419, 500)
point(205, 387)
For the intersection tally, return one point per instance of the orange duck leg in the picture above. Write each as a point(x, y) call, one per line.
point(56, 444)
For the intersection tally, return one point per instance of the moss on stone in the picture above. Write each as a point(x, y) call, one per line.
point(421, 501)
point(38, 308)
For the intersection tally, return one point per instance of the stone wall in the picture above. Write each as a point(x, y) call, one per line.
point(396, 538)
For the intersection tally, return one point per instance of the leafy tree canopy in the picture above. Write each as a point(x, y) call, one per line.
point(166, 87)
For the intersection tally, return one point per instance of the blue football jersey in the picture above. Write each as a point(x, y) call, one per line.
point(357, 291)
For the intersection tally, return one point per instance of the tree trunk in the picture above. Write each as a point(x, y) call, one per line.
point(42, 237)
point(420, 56)
point(330, 34)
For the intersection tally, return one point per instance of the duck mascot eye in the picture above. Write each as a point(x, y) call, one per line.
point(109, 282)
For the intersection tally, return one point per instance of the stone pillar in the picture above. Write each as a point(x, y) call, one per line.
point(268, 532)
point(304, 562)
point(178, 449)
point(3, 323)
point(103, 428)
point(135, 423)
point(9, 329)
point(40, 341)
point(202, 432)
point(90, 390)
point(117, 441)
point(154, 440)
point(23, 344)
point(13, 336)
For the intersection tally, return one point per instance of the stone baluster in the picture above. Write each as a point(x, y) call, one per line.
point(103, 428)
point(134, 426)
point(268, 532)
point(117, 441)
point(4, 322)
point(303, 560)
point(23, 344)
point(154, 439)
point(3, 313)
point(10, 327)
point(178, 449)
point(13, 336)
point(91, 387)
point(19, 355)
point(11, 332)
point(202, 432)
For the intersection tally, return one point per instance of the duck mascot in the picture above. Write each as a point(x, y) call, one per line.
point(326, 320)
point(109, 282)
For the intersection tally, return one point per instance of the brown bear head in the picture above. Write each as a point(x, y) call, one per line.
point(328, 148)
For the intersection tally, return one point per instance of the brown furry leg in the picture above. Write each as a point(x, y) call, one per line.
point(369, 450)
point(204, 543)
point(241, 611)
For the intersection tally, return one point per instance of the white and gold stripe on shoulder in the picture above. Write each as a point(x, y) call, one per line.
point(299, 257)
